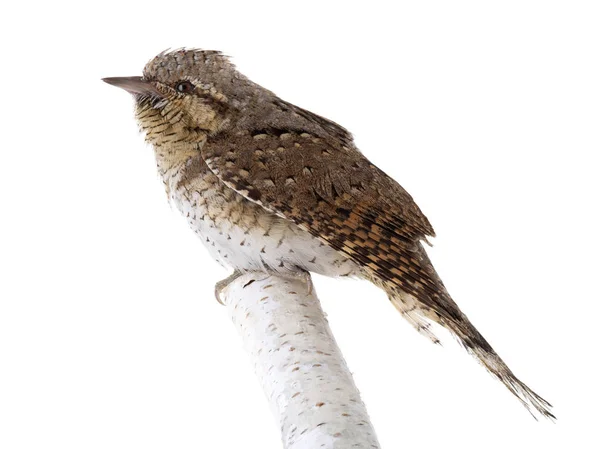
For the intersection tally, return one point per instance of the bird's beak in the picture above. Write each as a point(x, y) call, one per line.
point(135, 85)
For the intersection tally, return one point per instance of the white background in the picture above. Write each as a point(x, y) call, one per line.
point(487, 112)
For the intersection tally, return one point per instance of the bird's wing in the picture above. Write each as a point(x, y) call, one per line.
point(327, 187)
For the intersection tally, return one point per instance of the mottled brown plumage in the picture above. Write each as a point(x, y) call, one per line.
point(268, 185)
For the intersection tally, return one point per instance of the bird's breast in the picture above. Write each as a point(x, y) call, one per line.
point(243, 235)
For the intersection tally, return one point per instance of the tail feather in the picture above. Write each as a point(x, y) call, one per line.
point(477, 346)
point(419, 322)
point(470, 338)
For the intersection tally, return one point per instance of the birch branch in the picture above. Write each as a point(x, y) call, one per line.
point(298, 363)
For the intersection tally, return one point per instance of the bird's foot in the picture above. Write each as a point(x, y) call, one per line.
point(299, 275)
point(292, 276)
point(220, 286)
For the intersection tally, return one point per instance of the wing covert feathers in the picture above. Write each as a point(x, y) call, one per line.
point(321, 182)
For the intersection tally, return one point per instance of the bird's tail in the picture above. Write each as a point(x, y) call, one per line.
point(470, 338)
point(476, 345)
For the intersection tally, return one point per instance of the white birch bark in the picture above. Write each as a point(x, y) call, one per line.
point(298, 363)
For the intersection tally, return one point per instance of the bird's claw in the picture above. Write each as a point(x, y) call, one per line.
point(223, 283)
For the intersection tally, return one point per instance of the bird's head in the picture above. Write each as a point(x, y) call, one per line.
point(184, 96)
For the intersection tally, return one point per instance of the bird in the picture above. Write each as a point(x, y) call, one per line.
point(271, 187)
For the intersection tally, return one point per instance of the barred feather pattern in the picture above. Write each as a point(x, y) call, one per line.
point(361, 212)
point(276, 163)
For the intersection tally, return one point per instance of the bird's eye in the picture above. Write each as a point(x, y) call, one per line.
point(184, 87)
